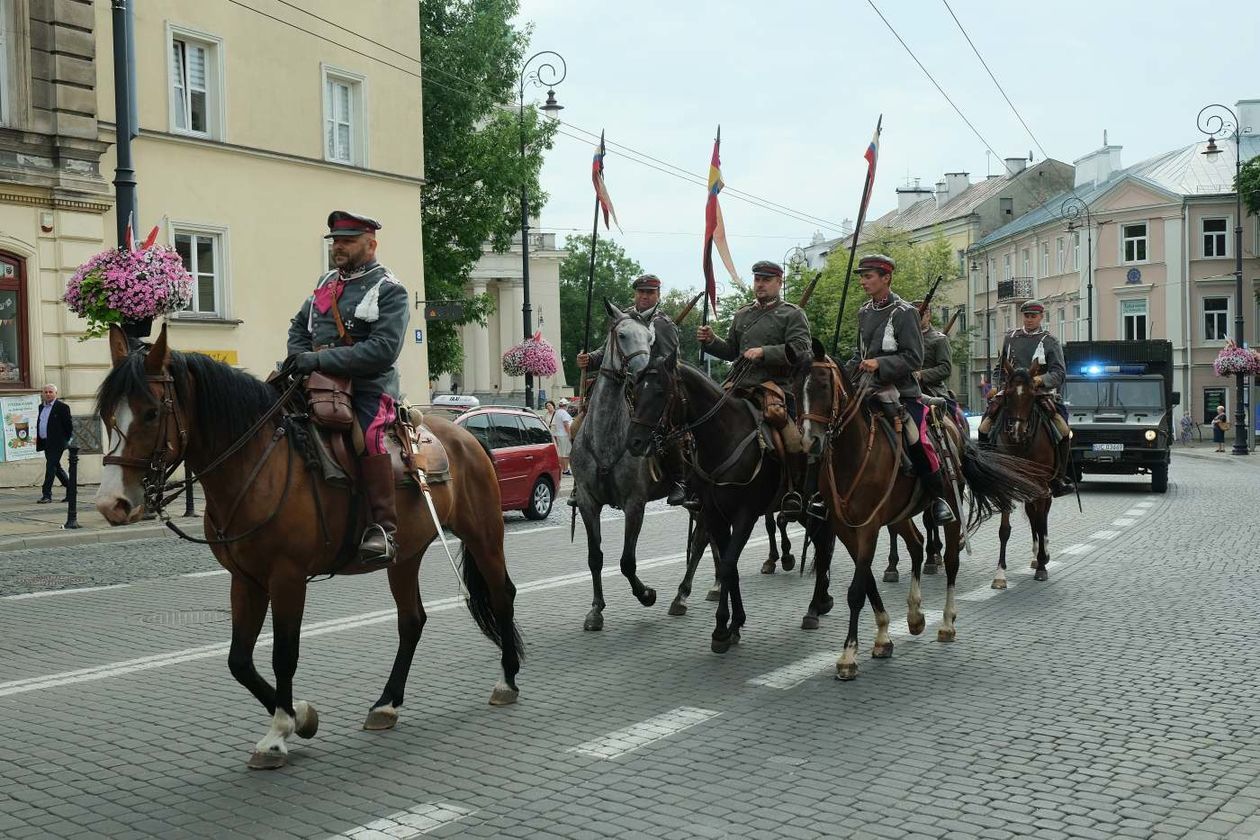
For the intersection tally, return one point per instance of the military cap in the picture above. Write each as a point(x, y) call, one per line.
point(647, 282)
point(345, 223)
point(1034, 307)
point(875, 262)
point(765, 268)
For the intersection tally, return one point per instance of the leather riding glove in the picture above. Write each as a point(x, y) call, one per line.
point(306, 362)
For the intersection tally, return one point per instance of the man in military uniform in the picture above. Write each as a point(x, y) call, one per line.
point(374, 310)
point(646, 308)
point(938, 361)
point(1021, 347)
point(771, 335)
point(891, 351)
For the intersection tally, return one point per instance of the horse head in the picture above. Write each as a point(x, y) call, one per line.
point(630, 340)
point(650, 398)
point(820, 389)
point(1019, 400)
point(138, 406)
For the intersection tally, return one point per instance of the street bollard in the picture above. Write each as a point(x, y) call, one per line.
point(188, 499)
point(72, 491)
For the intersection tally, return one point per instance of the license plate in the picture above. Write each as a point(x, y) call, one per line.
point(1108, 447)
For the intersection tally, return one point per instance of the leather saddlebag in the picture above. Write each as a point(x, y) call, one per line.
point(329, 400)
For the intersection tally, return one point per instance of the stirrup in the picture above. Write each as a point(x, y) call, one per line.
point(816, 507)
point(941, 512)
point(374, 556)
point(791, 504)
point(1061, 487)
point(677, 494)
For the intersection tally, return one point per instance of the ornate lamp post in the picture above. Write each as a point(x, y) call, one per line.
point(1214, 120)
point(795, 254)
point(1071, 210)
point(547, 75)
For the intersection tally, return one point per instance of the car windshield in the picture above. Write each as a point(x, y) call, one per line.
point(1085, 394)
point(1139, 393)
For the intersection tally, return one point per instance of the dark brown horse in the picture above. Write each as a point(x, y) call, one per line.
point(263, 512)
point(1021, 428)
point(865, 488)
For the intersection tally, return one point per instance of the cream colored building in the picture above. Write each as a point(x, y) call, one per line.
point(255, 120)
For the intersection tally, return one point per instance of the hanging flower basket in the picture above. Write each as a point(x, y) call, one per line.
point(129, 288)
point(1233, 360)
point(533, 356)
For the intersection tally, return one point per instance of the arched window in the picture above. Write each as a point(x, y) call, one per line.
point(15, 369)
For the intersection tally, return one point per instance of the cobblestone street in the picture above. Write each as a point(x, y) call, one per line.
point(1116, 699)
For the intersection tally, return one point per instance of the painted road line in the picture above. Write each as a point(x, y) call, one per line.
point(44, 593)
point(410, 823)
point(602, 519)
point(639, 735)
point(1079, 548)
point(1122, 523)
point(206, 574)
point(986, 592)
point(1144, 504)
point(1104, 535)
point(1028, 570)
point(900, 628)
point(1137, 511)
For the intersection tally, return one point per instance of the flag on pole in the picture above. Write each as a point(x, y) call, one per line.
point(714, 229)
point(872, 155)
point(601, 190)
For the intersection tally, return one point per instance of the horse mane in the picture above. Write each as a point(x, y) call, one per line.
point(227, 401)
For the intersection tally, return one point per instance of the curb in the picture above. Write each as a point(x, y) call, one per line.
point(84, 536)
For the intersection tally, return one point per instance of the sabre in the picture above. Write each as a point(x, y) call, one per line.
point(437, 525)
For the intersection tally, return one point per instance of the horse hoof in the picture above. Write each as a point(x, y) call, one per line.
point(846, 672)
point(891, 576)
point(788, 562)
point(946, 634)
point(383, 717)
point(720, 644)
point(734, 637)
point(714, 594)
point(269, 760)
point(929, 568)
point(768, 567)
point(1041, 574)
point(884, 651)
point(594, 621)
point(504, 695)
point(307, 723)
point(678, 607)
point(648, 598)
point(916, 627)
point(809, 622)
point(998, 583)
point(827, 605)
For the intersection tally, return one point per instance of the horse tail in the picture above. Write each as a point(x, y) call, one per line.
point(480, 608)
point(999, 481)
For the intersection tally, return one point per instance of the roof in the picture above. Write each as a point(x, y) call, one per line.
point(925, 213)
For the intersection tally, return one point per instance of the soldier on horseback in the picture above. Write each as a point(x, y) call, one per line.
point(646, 308)
point(770, 335)
point(1020, 349)
point(353, 326)
point(891, 351)
point(938, 362)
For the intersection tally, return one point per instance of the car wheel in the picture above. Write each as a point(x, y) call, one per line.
point(540, 499)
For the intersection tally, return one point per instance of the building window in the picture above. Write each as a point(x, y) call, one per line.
point(1063, 323)
point(1215, 318)
point(1045, 259)
point(1076, 252)
point(1006, 320)
point(1133, 242)
point(1076, 322)
point(343, 118)
point(1133, 315)
point(202, 253)
point(14, 355)
point(196, 89)
point(1007, 207)
point(1006, 268)
point(1215, 241)
point(1027, 270)
point(1059, 265)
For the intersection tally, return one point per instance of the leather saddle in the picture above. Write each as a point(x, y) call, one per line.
point(408, 438)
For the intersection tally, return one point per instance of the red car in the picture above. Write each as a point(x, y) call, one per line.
point(524, 453)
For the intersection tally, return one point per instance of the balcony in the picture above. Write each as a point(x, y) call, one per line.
point(1016, 289)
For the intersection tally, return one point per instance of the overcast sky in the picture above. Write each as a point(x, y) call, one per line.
point(797, 88)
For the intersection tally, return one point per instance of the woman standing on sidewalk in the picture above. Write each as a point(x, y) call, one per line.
point(558, 421)
point(1220, 425)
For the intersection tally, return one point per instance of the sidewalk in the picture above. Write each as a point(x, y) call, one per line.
point(26, 524)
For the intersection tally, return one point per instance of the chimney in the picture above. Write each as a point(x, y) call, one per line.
point(942, 194)
point(1098, 165)
point(908, 196)
point(1015, 165)
point(1248, 111)
point(957, 182)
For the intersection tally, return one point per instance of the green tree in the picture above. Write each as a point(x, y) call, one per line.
point(615, 272)
point(1248, 183)
point(472, 160)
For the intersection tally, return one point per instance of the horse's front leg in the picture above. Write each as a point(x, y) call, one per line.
point(634, 524)
point(891, 575)
point(915, 620)
point(721, 542)
point(595, 560)
point(1041, 527)
point(820, 534)
point(404, 585)
point(861, 546)
point(741, 530)
point(288, 601)
point(1004, 534)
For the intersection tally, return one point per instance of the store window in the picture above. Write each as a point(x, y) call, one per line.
point(14, 355)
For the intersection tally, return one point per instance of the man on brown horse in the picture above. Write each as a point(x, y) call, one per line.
point(890, 352)
point(1020, 349)
point(770, 335)
point(352, 326)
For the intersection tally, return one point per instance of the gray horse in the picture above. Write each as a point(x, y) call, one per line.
point(604, 473)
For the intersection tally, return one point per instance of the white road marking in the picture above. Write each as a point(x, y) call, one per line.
point(612, 518)
point(1028, 570)
point(44, 593)
point(1136, 511)
point(410, 823)
point(206, 574)
point(1079, 548)
point(647, 732)
point(1144, 504)
point(986, 592)
point(1122, 523)
point(1104, 535)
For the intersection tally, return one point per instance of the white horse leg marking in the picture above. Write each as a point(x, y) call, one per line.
point(914, 604)
point(999, 579)
point(883, 641)
point(275, 741)
point(847, 664)
point(946, 632)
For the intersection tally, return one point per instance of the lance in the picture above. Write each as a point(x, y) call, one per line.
point(686, 310)
point(952, 319)
point(857, 231)
point(927, 299)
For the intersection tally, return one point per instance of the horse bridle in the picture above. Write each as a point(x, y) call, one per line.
point(156, 471)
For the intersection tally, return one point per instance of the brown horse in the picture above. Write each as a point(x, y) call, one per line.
point(865, 488)
point(1021, 428)
point(263, 515)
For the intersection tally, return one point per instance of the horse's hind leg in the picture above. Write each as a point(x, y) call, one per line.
point(915, 620)
point(1041, 527)
point(491, 597)
point(891, 575)
point(953, 541)
point(1004, 534)
point(404, 585)
point(288, 600)
point(629, 565)
point(788, 560)
point(933, 559)
point(772, 562)
point(697, 541)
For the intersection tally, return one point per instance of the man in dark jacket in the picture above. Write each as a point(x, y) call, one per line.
point(52, 436)
point(374, 310)
point(938, 362)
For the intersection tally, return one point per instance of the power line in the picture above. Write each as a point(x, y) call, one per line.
point(1044, 154)
point(349, 31)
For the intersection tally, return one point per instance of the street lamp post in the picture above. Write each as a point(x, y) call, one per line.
point(546, 74)
point(1214, 120)
point(795, 253)
point(1071, 210)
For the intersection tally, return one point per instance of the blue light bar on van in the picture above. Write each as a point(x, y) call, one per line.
point(1096, 369)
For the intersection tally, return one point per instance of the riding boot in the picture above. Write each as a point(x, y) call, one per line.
point(1062, 484)
point(933, 485)
point(377, 546)
point(676, 472)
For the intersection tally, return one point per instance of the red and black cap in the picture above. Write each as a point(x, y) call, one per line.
point(1033, 307)
point(875, 262)
point(647, 281)
point(345, 223)
point(766, 268)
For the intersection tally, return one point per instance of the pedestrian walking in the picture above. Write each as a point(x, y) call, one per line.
point(559, 422)
point(1187, 426)
point(52, 436)
point(1220, 425)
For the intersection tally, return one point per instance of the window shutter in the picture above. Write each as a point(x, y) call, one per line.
point(197, 67)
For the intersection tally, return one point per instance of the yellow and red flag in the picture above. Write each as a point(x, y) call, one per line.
point(601, 190)
point(714, 230)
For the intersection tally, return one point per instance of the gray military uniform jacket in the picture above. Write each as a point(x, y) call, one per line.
point(890, 334)
point(665, 343)
point(779, 328)
point(375, 310)
point(1021, 348)
point(938, 364)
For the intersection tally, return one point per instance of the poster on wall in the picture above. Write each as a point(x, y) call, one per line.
point(21, 417)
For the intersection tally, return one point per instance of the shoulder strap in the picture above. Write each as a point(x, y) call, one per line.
point(341, 328)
